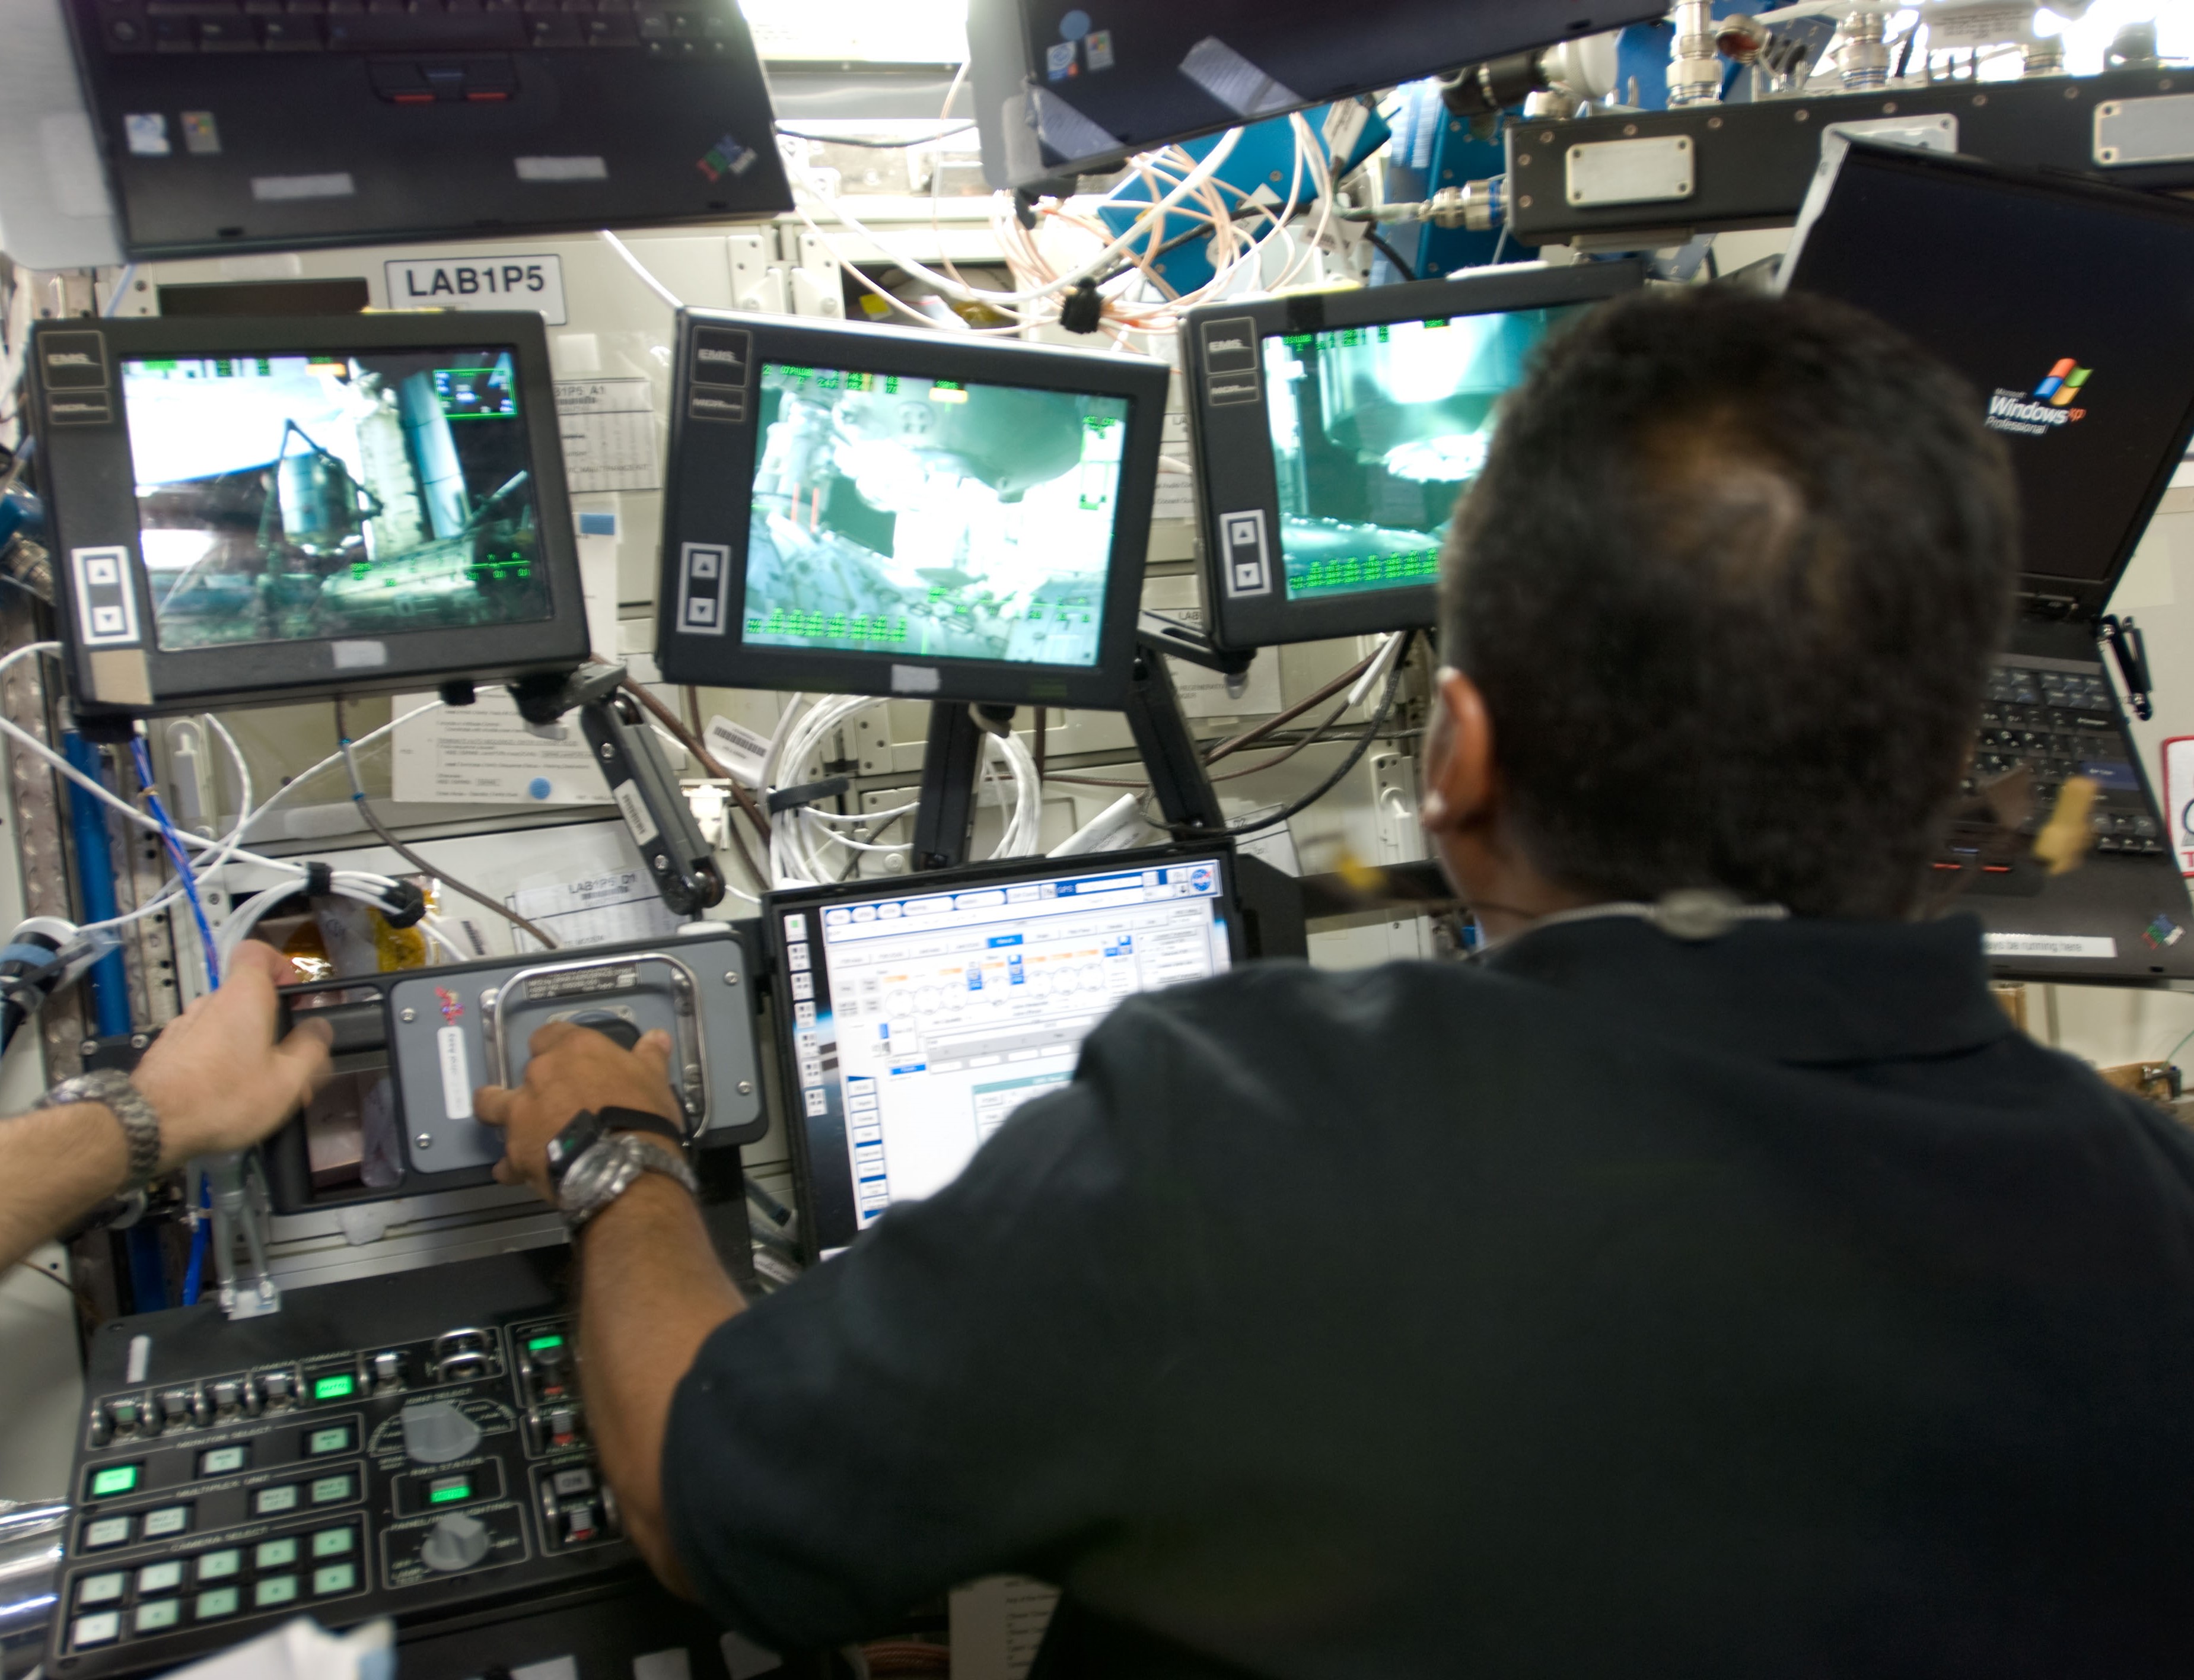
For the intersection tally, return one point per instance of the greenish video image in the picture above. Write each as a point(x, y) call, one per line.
point(931, 518)
point(300, 497)
point(1377, 430)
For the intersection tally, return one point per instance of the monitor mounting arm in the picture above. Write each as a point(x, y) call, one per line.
point(640, 781)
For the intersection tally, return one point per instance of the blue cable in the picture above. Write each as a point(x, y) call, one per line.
point(201, 1241)
point(182, 861)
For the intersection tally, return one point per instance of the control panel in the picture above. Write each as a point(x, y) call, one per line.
point(341, 1458)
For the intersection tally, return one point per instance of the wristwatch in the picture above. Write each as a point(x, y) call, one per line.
point(589, 1127)
point(111, 1089)
point(606, 1169)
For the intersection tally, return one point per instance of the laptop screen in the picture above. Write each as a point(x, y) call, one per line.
point(2068, 308)
point(920, 1016)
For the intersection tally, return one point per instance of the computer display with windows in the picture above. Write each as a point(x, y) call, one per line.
point(915, 1017)
point(867, 510)
point(263, 510)
point(2078, 361)
point(1334, 434)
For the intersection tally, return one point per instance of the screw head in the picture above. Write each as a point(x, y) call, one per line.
point(407, 1016)
point(1524, 203)
point(1801, 116)
point(731, 976)
point(1522, 160)
point(608, 751)
point(746, 1087)
point(1546, 137)
point(424, 1140)
point(139, 1040)
point(87, 1048)
point(1630, 128)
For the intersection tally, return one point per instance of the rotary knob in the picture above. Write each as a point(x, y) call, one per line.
point(456, 1542)
point(437, 1432)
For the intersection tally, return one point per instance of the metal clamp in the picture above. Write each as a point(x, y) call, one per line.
point(692, 1085)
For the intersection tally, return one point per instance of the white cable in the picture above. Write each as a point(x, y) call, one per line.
point(639, 268)
point(1203, 171)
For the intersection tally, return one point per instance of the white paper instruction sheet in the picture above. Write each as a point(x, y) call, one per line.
point(608, 428)
point(484, 755)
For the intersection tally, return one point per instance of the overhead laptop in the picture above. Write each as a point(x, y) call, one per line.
point(232, 125)
point(2066, 305)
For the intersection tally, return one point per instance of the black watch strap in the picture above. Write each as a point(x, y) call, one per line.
point(639, 1119)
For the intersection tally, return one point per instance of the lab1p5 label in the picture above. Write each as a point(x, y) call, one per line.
point(479, 283)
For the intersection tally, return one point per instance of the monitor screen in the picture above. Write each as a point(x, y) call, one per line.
point(933, 518)
point(310, 497)
point(2093, 401)
point(920, 1018)
point(1375, 431)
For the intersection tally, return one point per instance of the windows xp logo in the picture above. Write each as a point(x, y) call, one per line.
point(2060, 386)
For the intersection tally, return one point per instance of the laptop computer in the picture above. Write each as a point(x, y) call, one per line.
point(2065, 303)
point(236, 125)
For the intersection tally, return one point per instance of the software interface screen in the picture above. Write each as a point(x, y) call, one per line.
point(1375, 431)
point(925, 1022)
point(928, 517)
point(294, 497)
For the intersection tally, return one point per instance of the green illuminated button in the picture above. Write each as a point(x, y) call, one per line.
point(336, 1578)
point(223, 1460)
point(341, 1386)
point(538, 1342)
point(219, 1566)
point(330, 1490)
point(274, 1590)
point(159, 1578)
point(331, 1543)
point(222, 1600)
point(166, 1520)
point(276, 1553)
point(115, 1479)
point(101, 1589)
point(321, 1442)
point(159, 1615)
point(272, 1501)
point(447, 1490)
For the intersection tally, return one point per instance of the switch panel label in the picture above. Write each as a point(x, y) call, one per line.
point(457, 1073)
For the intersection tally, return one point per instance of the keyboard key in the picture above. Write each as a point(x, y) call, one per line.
point(108, 1531)
point(222, 1600)
point(291, 35)
point(159, 1615)
point(101, 1589)
point(219, 1566)
point(273, 1590)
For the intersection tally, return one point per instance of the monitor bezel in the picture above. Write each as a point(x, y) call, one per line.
point(91, 491)
point(708, 505)
point(2048, 593)
point(823, 1178)
point(1233, 437)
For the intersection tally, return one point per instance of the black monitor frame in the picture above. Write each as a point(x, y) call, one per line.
point(85, 474)
point(1841, 235)
point(1302, 57)
point(823, 1177)
point(708, 506)
point(1237, 489)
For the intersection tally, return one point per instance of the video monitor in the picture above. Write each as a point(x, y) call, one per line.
point(867, 511)
point(2063, 303)
point(916, 1016)
point(1334, 432)
point(1064, 89)
point(267, 510)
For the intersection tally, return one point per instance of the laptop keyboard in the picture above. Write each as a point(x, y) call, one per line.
point(665, 29)
point(2059, 724)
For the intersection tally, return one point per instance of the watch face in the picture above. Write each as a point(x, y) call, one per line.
point(573, 1142)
